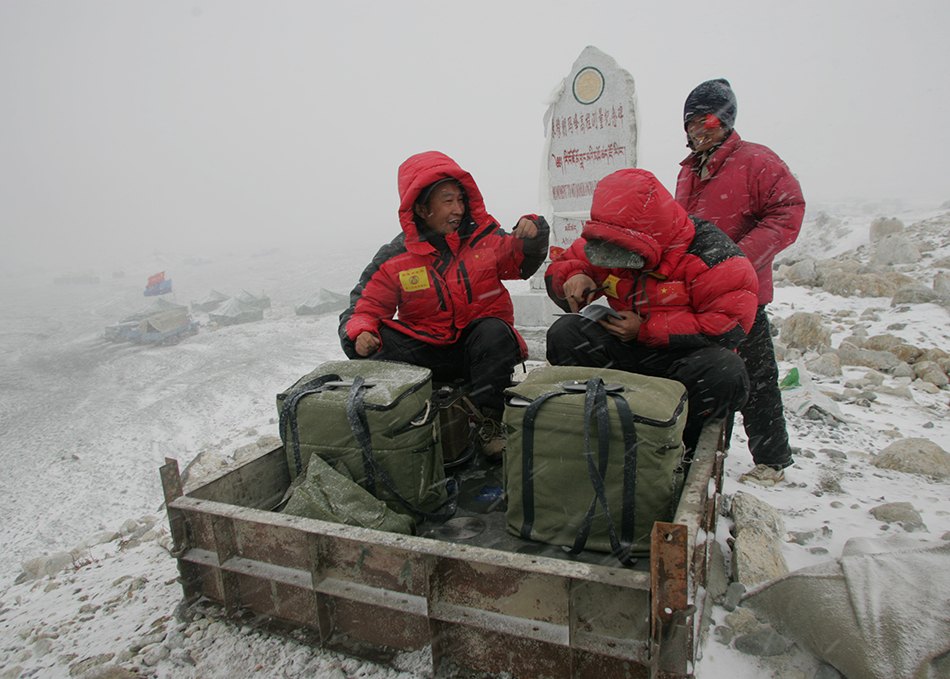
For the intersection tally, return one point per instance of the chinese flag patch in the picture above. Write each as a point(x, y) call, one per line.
point(672, 293)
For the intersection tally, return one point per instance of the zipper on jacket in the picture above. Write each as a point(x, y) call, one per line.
point(463, 279)
point(438, 290)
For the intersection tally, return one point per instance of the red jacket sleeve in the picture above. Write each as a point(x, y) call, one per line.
point(779, 208)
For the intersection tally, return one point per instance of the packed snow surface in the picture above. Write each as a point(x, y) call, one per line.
point(86, 423)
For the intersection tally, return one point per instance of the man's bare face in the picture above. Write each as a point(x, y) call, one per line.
point(702, 137)
point(445, 208)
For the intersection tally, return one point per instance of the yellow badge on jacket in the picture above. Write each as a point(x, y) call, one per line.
point(610, 286)
point(414, 279)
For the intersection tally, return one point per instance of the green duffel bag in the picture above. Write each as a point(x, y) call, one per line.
point(378, 419)
point(591, 457)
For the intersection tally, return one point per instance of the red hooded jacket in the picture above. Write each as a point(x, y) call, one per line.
point(696, 287)
point(432, 295)
point(751, 195)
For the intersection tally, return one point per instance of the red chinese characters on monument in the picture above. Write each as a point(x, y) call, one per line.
point(567, 126)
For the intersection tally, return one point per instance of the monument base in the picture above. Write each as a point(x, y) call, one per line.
point(534, 314)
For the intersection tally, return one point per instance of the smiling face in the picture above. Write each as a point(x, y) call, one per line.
point(702, 137)
point(444, 209)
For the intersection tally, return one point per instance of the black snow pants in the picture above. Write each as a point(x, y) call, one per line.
point(763, 415)
point(484, 355)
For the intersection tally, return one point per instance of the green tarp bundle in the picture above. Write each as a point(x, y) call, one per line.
point(330, 495)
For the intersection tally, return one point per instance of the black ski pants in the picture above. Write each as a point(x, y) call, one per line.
point(714, 377)
point(484, 355)
point(763, 415)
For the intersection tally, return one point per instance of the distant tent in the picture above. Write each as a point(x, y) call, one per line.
point(156, 306)
point(234, 312)
point(211, 302)
point(164, 322)
point(156, 327)
point(262, 302)
point(322, 302)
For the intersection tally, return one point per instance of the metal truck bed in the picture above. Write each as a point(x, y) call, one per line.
point(469, 593)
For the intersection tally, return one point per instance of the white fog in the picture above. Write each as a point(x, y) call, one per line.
point(254, 146)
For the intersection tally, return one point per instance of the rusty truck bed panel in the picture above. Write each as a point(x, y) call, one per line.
point(487, 609)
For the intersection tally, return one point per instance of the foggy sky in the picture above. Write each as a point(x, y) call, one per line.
point(129, 127)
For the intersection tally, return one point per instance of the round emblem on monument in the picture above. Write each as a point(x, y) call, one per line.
point(588, 85)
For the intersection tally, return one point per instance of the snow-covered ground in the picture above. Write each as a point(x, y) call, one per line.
point(86, 423)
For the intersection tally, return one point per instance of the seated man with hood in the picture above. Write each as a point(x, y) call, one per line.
point(434, 296)
point(685, 294)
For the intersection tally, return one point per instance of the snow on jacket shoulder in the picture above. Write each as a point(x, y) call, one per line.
point(432, 295)
point(751, 195)
point(696, 288)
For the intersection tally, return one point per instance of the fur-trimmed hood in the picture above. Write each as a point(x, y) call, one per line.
point(632, 209)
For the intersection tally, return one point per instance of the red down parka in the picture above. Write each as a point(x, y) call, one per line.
point(751, 195)
point(417, 290)
point(696, 288)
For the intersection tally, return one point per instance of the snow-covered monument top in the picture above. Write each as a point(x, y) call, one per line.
point(590, 131)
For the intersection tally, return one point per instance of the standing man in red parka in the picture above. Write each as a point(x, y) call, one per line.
point(434, 296)
point(751, 195)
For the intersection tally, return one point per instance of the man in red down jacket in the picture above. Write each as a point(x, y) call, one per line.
point(685, 294)
point(751, 195)
point(434, 296)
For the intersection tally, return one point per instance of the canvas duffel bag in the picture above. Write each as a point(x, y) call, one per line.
point(378, 419)
point(591, 457)
point(456, 426)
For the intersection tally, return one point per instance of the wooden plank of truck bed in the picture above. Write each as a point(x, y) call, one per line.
point(354, 589)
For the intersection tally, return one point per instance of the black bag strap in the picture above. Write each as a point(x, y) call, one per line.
point(527, 460)
point(595, 408)
point(356, 414)
point(288, 412)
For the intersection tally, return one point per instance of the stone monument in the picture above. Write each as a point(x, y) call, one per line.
point(590, 131)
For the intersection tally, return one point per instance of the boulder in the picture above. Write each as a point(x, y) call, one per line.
point(885, 226)
point(804, 330)
point(915, 456)
point(748, 510)
point(908, 353)
point(828, 364)
point(882, 342)
point(942, 283)
point(802, 273)
point(879, 360)
point(763, 642)
point(760, 532)
point(930, 371)
point(903, 513)
point(903, 370)
point(933, 355)
point(846, 284)
point(914, 294)
point(757, 556)
point(895, 249)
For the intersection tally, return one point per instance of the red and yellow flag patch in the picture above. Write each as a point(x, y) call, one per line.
point(672, 293)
